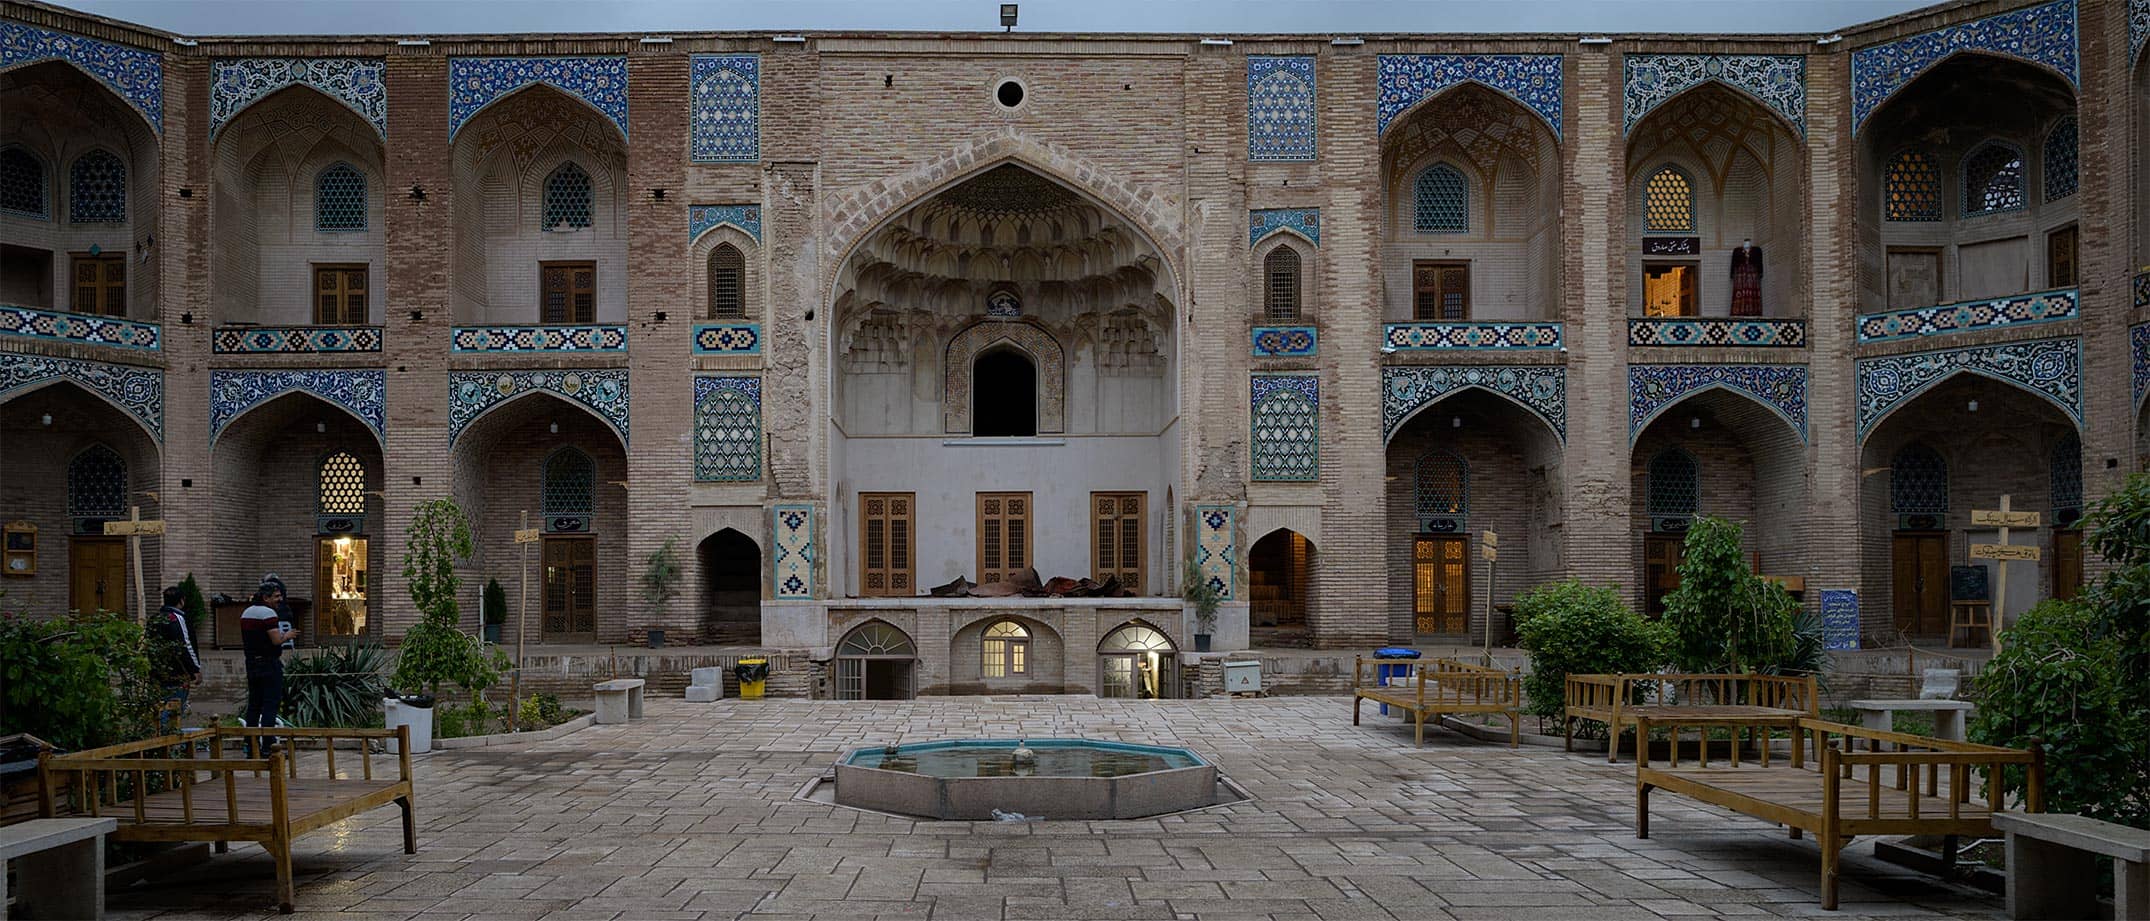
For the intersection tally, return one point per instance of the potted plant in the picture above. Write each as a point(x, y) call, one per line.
point(660, 584)
point(1196, 591)
point(435, 651)
point(493, 609)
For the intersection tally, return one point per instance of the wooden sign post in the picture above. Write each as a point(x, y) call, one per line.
point(2002, 554)
point(1489, 546)
point(133, 529)
point(524, 537)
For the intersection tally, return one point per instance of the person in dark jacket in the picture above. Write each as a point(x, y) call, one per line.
point(171, 650)
point(263, 633)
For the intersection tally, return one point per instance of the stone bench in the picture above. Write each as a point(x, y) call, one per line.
point(618, 700)
point(1947, 714)
point(705, 685)
point(61, 863)
point(2051, 873)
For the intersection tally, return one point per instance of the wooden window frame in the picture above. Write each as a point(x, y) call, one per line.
point(2074, 235)
point(1009, 564)
point(365, 274)
point(1437, 266)
point(1100, 565)
point(569, 264)
point(1014, 652)
point(890, 587)
point(105, 288)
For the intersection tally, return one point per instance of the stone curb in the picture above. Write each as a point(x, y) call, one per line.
point(505, 738)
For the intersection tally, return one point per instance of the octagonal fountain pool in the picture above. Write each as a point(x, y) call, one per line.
point(967, 780)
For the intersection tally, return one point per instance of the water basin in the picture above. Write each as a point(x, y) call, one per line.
point(1074, 779)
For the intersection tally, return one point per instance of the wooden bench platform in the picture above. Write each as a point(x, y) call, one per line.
point(1619, 701)
point(1436, 687)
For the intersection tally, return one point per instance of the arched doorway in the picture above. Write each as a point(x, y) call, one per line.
point(731, 589)
point(1278, 570)
point(69, 462)
point(1138, 661)
point(1005, 395)
point(1721, 453)
point(875, 661)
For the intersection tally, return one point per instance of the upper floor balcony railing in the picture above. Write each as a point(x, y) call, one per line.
point(294, 340)
point(1739, 332)
point(88, 329)
point(1966, 316)
point(1474, 335)
point(601, 337)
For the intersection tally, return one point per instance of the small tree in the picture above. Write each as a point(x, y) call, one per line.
point(1196, 590)
point(435, 652)
point(1725, 618)
point(660, 574)
point(495, 603)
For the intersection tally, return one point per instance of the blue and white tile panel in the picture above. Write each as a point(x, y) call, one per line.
point(1306, 222)
point(1286, 341)
point(1216, 548)
point(1403, 80)
point(724, 108)
point(136, 75)
point(703, 218)
point(727, 338)
point(1540, 389)
point(727, 428)
point(356, 82)
point(1778, 81)
point(1652, 389)
point(791, 567)
point(2051, 368)
point(1280, 108)
point(361, 392)
point(1473, 335)
point(2043, 35)
point(294, 340)
point(600, 338)
point(2138, 28)
point(472, 394)
point(2139, 365)
point(1742, 332)
point(1944, 319)
point(138, 392)
point(1284, 422)
point(474, 83)
point(61, 326)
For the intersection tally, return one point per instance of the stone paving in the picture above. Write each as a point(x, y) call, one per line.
point(691, 814)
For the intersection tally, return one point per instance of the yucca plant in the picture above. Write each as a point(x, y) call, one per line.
point(336, 686)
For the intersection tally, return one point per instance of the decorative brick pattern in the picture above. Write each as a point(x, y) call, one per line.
point(727, 338)
point(703, 218)
point(539, 339)
point(60, 326)
point(364, 393)
point(138, 392)
point(1652, 389)
point(1042, 348)
point(1711, 331)
point(1944, 319)
point(136, 75)
point(474, 83)
point(241, 82)
point(1285, 427)
point(472, 394)
point(1305, 222)
point(1280, 108)
point(725, 109)
point(243, 340)
point(1286, 341)
point(1778, 81)
point(1496, 336)
point(2042, 35)
point(1406, 79)
point(727, 428)
point(791, 567)
point(2051, 368)
point(1541, 390)
point(1216, 548)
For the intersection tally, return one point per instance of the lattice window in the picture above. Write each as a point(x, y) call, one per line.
point(22, 183)
point(1440, 201)
point(1287, 435)
point(568, 198)
point(97, 484)
point(1668, 202)
point(885, 540)
point(1993, 179)
point(877, 639)
point(2060, 160)
point(727, 283)
point(1918, 482)
point(340, 198)
point(1117, 537)
point(1280, 273)
point(1913, 186)
point(343, 485)
point(570, 486)
point(1007, 650)
point(727, 435)
point(97, 189)
point(1442, 485)
point(2067, 474)
point(1675, 484)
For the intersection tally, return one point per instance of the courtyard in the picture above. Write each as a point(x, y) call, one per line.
point(691, 814)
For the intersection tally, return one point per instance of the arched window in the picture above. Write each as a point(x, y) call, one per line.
point(1674, 485)
point(873, 662)
point(876, 638)
point(1668, 202)
point(97, 189)
point(727, 283)
point(568, 497)
point(1440, 201)
point(1004, 391)
point(2060, 160)
point(22, 183)
point(568, 197)
point(1280, 287)
point(96, 486)
point(1918, 482)
point(340, 198)
point(1007, 650)
point(1992, 179)
point(2067, 479)
point(1442, 491)
point(1913, 187)
point(1137, 660)
point(343, 485)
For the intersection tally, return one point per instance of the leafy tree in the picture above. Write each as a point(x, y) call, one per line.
point(435, 652)
point(1572, 628)
point(77, 681)
point(439, 536)
point(1724, 618)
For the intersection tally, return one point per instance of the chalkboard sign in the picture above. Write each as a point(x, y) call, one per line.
point(1840, 619)
point(1968, 583)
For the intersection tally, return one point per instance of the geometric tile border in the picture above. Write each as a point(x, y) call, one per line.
point(1541, 390)
point(700, 218)
point(1404, 79)
point(727, 429)
point(1705, 331)
point(724, 108)
point(2139, 370)
point(1216, 554)
point(474, 83)
point(363, 393)
point(138, 392)
point(60, 326)
point(727, 338)
point(791, 567)
point(539, 339)
point(1652, 389)
point(1778, 81)
point(136, 75)
point(1943, 319)
point(2138, 28)
point(1504, 337)
point(2050, 368)
point(2043, 35)
point(1280, 108)
point(472, 394)
point(287, 340)
point(355, 82)
point(1285, 341)
point(1284, 422)
point(1306, 222)
point(2142, 282)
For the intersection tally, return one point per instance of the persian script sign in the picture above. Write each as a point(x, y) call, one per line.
point(1671, 246)
point(1998, 519)
point(2004, 552)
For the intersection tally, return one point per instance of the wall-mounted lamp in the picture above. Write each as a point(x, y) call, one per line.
point(1007, 17)
point(1694, 422)
point(45, 420)
point(1455, 422)
point(1971, 407)
point(553, 428)
point(320, 428)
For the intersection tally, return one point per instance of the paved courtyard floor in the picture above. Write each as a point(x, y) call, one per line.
point(690, 815)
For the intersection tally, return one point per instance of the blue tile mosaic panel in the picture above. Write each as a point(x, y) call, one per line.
point(1778, 81)
point(1216, 548)
point(1944, 319)
point(1285, 422)
point(2142, 290)
point(1652, 389)
point(474, 83)
point(606, 338)
point(1467, 334)
point(284, 340)
point(138, 392)
point(702, 218)
point(724, 108)
point(136, 75)
point(1745, 332)
point(791, 567)
point(727, 338)
point(1541, 389)
point(472, 394)
point(1286, 341)
point(2139, 366)
point(1406, 79)
point(240, 82)
point(2042, 35)
point(60, 326)
point(362, 392)
point(1305, 222)
point(727, 428)
point(2138, 27)
point(2051, 368)
point(1280, 108)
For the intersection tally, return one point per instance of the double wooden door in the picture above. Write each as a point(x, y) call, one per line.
point(1661, 555)
point(570, 588)
point(1441, 584)
point(97, 573)
point(1918, 578)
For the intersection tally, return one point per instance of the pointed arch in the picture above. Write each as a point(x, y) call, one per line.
point(1137, 634)
point(1868, 426)
point(1543, 415)
point(142, 415)
point(237, 394)
point(1551, 121)
point(470, 424)
point(25, 183)
point(458, 120)
point(1283, 285)
point(1867, 76)
point(727, 270)
point(1668, 204)
point(960, 364)
point(1995, 176)
point(146, 101)
point(1743, 390)
point(1441, 488)
point(1706, 84)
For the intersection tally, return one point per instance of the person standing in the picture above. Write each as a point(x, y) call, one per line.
point(171, 649)
point(263, 632)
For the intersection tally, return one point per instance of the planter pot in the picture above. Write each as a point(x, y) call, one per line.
point(492, 634)
point(656, 638)
point(1201, 642)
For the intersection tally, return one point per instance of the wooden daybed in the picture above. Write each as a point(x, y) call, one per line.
point(1838, 781)
point(1620, 700)
point(1434, 687)
point(166, 789)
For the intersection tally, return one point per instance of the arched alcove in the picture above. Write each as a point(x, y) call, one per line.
point(80, 175)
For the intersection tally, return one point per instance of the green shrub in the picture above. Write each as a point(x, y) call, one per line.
point(196, 605)
point(2057, 682)
point(338, 687)
point(541, 711)
point(1724, 618)
point(1572, 628)
point(78, 681)
point(475, 718)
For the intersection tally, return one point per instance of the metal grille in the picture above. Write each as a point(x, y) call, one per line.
point(2067, 474)
point(343, 485)
point(97, 189)
point(1281, 269)
point(1668, 203)
point(1993, 179)
point(876, 639)
point(97, 484)
point(1443, 485)
point(1287, 432)
point(1007, 648)
point(1918, 482)
point(570, 484)
point(2060, 160)
point(727, 283)
point(1914, 188)
point(22, 183)
point(567, 198)
point(728, 422)
point(1440, 201)
point(1675, 483)
point(340, 199)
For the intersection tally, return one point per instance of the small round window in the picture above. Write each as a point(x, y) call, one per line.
point(1010, 93)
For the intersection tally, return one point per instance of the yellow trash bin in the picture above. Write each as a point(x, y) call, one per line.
point(753, 677)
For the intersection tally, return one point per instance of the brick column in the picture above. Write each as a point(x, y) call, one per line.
point(1833, 483)
point(1594, 466)
point(795, 359)
point(180, 259)
point(2106, 161)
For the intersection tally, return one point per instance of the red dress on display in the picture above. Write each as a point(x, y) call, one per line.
point(1747, 281)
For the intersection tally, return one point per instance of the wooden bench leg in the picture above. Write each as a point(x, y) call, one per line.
point(1642, 810)
point(2131, 889)
point(281, 849)
point(410, 826)
point(1567, 732)
point(1831, 847)
point(1355, 702)
point(1421, 728)
point(1515, 730)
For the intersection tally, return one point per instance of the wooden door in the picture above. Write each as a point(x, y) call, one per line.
point(1440, 290)
point(2067, 563)
point(1661, 555)
point(1918, 573)
point(567, 292)
point(1914, 277)
point(1441, 584)
point(570, 588)
point(97, 573)
point(100, 284)
point(1003, 535)
point(339, 295)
